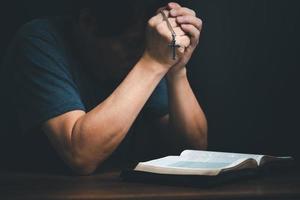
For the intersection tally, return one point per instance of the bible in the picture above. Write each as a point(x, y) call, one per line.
point(208, 166)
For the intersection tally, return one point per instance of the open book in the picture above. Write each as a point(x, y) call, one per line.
point(208, 163)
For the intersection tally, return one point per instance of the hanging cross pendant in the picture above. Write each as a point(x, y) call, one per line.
point(173, 45)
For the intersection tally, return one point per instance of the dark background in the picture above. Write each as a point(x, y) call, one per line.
point(244, 72)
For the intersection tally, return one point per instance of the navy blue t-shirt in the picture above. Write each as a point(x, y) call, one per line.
point(41, 79)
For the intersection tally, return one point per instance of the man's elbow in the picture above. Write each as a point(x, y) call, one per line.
point(203, 129)
point(81, 166)
point(83, 157)
point(202, 143)
point(81, 163)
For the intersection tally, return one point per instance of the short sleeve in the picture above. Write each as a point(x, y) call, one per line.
point(157, 104)
point(44, 87)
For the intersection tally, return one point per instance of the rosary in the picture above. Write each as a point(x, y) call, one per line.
point(173, 44)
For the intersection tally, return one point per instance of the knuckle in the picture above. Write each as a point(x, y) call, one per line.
point(188, 10)
point(192, 12)
point(185, 44)
point(188, 39)
point(188, 42)
point(172, 21)
point(181, 50)
point(197, 34)
point(167, 13)
point(178, 31)
point(151, 23)
point(160, 26)
point(184, 41)
point(200, 22)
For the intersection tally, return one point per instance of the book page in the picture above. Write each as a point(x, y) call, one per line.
point(179, 162)
point(217, 157)
point(179, 165)
point(162, 162)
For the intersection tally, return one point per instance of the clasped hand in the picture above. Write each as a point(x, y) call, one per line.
point(187, 27)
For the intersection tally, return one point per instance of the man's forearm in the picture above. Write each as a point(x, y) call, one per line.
point(186, 117)
point(98, 133)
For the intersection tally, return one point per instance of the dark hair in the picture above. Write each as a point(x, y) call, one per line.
point(116, 16)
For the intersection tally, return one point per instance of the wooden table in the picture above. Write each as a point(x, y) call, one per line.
point(108, 185)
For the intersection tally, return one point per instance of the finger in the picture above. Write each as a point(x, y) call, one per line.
point(193, 32)
point(173, 5)
point(183, 41)
point(158, 18)
point(179, 32)
point(160, 9)
point(188, 19)
point(182, 11)
point(167, 13)
point(173, 22)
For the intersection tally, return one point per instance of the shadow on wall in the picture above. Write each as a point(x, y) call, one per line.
point(246, 72)
point(14, 13)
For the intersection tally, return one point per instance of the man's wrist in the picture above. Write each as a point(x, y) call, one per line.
point(152, 65)
point(176, 74)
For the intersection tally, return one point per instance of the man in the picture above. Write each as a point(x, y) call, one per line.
point(85, 82)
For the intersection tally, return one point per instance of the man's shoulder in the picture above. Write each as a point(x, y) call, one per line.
point(35, 27)
point(45, 28)
point(37, 45)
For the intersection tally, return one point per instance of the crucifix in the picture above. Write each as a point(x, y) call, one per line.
point(173, 44)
